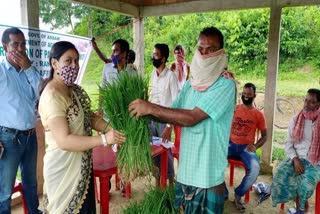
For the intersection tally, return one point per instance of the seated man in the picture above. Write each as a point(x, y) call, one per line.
point(246, 120)
point(297, 176)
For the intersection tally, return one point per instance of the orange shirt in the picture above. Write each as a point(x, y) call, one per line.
point(245, 123)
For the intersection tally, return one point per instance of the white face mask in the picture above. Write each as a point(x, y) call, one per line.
point(206, 69)
point(69, 74)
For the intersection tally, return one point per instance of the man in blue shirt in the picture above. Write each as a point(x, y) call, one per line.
point(19, 82)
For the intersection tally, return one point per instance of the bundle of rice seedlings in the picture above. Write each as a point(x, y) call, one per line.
point(134, 157)
point(155, 201)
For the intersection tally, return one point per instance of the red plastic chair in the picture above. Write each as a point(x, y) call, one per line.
point(176, 148)
point(317, 208)
point(233, 163)
point(163, 153)
point(104, 166)
point(317, 202)
point(18, 188)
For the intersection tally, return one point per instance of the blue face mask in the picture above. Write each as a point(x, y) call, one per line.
point(115, 60)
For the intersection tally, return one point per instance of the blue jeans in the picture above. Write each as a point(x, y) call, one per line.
point(20, 150)
point(250, 160)
point(156, 130)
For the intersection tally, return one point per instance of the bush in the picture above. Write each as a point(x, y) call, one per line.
point(278, 153)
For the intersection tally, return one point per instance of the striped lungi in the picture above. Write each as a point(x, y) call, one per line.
point(287, 184)
point(196, 200)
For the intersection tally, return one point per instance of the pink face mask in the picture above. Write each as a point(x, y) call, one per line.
point(69, 74)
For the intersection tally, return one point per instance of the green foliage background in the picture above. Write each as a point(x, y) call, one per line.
point(245, 32)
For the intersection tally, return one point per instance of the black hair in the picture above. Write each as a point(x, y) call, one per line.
point(124, 45)
point(213, 31)
point(57, 50)
point(6, 34)
point(179, 48)
point(164, 50)
point(131, 57)
point(315, 92)
point(250, 85)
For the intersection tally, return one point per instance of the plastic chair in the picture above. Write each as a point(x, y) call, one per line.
point(233, 163)
point(18, 188)
point(176, 148)
point(317, 202)
point(104, 166)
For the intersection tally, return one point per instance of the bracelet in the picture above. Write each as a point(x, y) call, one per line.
point(104, 140)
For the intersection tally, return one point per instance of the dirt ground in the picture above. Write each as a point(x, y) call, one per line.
point(140, 186)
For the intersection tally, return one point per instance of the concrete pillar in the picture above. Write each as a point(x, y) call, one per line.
point(271, 83)
point(30, 13)
point(138, 43)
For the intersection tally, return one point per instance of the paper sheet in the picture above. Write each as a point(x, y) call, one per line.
point(158, 141)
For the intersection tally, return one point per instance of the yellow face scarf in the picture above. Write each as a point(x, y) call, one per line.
point(206, 69)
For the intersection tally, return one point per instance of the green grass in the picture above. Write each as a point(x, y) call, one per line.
point(279, 137)
point(18, 174)
point(295, 87)
point(155, 201)
point(278, 153)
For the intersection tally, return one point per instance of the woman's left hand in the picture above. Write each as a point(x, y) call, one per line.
point(115, 137)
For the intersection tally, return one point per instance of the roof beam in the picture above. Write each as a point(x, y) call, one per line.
point(198, 6)
point(295, 3)
point(111, 5)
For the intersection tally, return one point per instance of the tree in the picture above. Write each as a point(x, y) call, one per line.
point(59, 13)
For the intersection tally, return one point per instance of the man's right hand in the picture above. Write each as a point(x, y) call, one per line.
point(21, 59)
point(298, 166)
point(139, 108)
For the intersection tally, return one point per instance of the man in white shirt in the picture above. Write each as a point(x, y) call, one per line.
point(164, 89)
point(297, 176)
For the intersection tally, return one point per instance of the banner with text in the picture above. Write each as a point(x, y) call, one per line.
point(39, 43)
